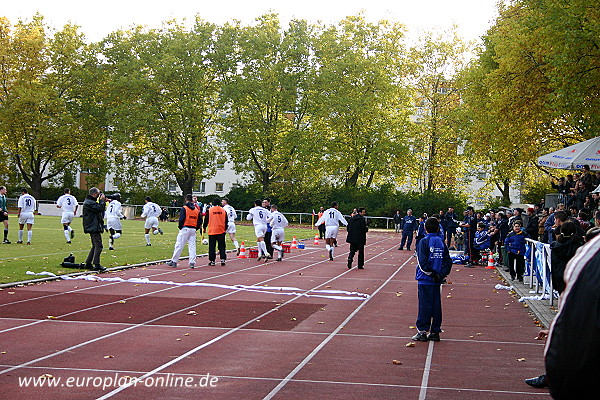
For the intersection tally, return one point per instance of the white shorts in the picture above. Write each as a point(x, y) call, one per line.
point(277, 235)
point(331, 232)
point(230, 227)
point(151, 222)
point(26, 218)
point(67, 217)
point(260, 230)
point(114, 223)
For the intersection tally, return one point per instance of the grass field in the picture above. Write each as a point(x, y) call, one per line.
point(48, 246)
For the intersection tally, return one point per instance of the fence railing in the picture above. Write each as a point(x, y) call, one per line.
point(135, 210)
point(539, 269)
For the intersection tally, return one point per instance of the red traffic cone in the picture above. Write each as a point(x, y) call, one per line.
point(242, 251)
point(294, 243)
point(316, 241)
point(490, 264)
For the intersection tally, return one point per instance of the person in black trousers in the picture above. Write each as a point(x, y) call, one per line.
point(357, 237)
point(93, 224)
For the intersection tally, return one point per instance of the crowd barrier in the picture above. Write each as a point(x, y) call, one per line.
point(539, 270)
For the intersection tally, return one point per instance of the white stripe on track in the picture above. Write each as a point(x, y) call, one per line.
point(172, 313)
point(231, 331)
point(285, 380)
point(114, 302)
point(426, 370)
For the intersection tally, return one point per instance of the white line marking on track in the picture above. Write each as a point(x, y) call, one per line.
point(426, 370)
point(231, 331)
point(174, 312)
point(285, 380)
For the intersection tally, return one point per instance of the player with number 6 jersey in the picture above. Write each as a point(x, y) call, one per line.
point(259, 217)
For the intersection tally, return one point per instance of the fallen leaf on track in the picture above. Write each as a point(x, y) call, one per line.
point(410, 344)
point(396, 362)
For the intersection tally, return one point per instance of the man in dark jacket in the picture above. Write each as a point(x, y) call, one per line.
point(532, 224)
point(357, 237)
point(573, 345)
point(93, 224)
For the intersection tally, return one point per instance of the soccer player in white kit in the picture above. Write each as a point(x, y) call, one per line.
point(68, 203)
point(332, 218)
point(113, 218)
point(151, 211)
point(190, 220)
point(231, 216)
point(278, 222)
point(26, 207)
point(259, 217)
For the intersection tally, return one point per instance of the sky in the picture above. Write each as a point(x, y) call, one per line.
point(97, 19)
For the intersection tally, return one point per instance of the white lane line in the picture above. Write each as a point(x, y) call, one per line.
point(128, 298)
point(281, 384)
point(426, 370)
point(172, 313)
point(231, 331)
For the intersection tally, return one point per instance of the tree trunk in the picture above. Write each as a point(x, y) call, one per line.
point(504, 190)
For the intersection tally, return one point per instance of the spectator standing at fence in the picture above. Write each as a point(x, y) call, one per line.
point(515, 246)
point(541, 222)
point(470, 227)
point(4, 213)
point(532, 224)
point(452, 224)
point(572, 356)
point(398, 221)
point(409, 226)
point(563, 249)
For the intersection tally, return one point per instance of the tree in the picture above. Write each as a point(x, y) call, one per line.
point(43, 121)
point(267, 102)
point(362, 112)
point(161, 93)
point(433, 66)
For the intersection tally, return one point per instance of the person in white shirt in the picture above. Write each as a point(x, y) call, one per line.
point(113, 218)
point(332, 218)
point(278, 222)
point(259, 217)
point(68, 203)
point(26, 206)
point(231, 216)
point(151, 211)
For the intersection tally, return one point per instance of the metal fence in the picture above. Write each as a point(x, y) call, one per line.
point(304, 219)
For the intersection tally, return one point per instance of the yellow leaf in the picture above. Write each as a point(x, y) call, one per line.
point(396, 362)
point(410, 344)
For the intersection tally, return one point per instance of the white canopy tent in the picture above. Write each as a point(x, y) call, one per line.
point(574, 157)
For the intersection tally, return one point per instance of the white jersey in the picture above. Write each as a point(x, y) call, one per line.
point(151, 210)
point(67, 202)
point(113, 210)
point(231, 214)
point(26, 203)
point(278, 220)
point(332, 217)
point(258, 215)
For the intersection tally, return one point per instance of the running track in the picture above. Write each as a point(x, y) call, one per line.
point(261, 345)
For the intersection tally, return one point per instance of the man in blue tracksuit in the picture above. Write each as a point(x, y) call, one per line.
point(433, 265)
point(409, 226)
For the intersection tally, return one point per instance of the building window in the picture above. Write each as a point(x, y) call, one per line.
point(117, 183)
point(202, 187)
point(172, 186)
point(218, 187)
point(221, 165)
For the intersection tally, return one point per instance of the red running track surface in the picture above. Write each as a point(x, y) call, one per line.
point(180, 340)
